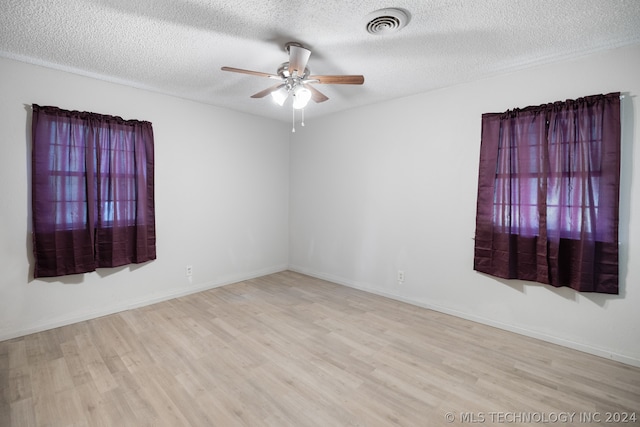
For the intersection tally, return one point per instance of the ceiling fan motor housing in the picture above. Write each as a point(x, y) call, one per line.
point(283, 71)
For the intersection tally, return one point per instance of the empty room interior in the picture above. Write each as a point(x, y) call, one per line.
point(320, 260)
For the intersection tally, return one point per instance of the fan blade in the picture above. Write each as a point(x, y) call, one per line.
point(298, 58)
point(253, 73)
point(267, 91)
point(316, 95)
point(337, 80)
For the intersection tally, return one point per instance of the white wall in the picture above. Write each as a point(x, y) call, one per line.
point(221, 200)
point(393, 187)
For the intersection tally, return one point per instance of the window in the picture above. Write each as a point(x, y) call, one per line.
point(548, 194)
point(515, 205)
point(93, 201)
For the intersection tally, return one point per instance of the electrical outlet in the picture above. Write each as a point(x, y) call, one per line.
point(189, 270)
point(400, 276)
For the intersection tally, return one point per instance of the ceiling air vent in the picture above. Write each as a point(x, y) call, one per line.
point(385, 21)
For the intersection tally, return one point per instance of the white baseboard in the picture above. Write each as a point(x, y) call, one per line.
point(167, 294)
point(601, 352)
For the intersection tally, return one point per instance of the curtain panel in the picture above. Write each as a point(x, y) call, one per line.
point(92, 191)
point(548, 194)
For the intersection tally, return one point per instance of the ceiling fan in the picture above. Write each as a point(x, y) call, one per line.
point(295, 79)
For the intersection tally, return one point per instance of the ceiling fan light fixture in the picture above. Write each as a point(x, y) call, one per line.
point(386, 21)
point(301, 97)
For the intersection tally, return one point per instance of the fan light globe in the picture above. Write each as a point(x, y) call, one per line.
point(301, 97)
point(280, 95)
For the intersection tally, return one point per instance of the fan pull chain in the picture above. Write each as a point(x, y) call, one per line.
point(293, 119)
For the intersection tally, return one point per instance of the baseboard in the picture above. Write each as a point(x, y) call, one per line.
point(168, 294)
point(596, 351)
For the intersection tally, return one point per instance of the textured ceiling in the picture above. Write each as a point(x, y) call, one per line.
point(178, 46)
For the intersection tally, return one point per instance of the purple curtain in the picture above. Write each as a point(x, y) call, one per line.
point(92, 191)
point(548, 190)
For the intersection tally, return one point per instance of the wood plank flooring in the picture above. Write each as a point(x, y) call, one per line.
point(290, 350)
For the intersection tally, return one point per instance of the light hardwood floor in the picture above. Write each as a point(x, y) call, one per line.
point(290, 350)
